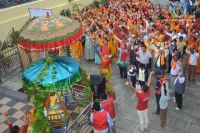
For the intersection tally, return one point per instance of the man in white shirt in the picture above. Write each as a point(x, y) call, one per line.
point(194, 55)
point(175, 66)
point(182, 34)
point(144, 57)
point(159, 54)
point(173, 35)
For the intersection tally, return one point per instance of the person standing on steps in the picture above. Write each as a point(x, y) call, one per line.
point(142, 104)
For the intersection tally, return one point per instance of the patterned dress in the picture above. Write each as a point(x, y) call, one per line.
point(89, 48)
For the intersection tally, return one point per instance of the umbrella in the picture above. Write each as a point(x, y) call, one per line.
point(49, 33)
point(53, 73)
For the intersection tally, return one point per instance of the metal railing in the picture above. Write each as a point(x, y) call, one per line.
point(9, 63)
point(82, 122)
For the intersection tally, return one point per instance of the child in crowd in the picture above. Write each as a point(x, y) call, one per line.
point(132, 73)
point(141, 76)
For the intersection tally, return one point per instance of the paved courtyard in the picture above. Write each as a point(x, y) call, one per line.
point(185, 121)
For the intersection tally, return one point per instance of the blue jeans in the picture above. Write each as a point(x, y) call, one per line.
point(113, 128)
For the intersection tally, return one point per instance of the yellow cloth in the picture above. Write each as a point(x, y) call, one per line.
point(129, 22)
point(77, 50)
point(180, 45)
point(133, 30)
point(100, 42)
point(162, 58)
point(198, 62)
point(112, 47)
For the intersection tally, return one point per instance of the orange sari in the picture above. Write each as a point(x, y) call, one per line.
point(77, 50)
point(112, 47)
point(133, 29)
point(198, 62)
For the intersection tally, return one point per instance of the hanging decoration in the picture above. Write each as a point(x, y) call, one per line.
point(49, 33)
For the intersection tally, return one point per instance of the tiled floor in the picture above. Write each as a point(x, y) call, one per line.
point(186, 120)
point(15, 108)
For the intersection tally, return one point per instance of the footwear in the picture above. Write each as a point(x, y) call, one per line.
point(140, 130)
point(161, 128)
point(177, 108)
point(155, 113)
point(174, 100)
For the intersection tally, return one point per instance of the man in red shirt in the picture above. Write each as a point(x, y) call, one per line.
point(142, 104)
point(15, 128)
point(100, 119)
point(108, 105)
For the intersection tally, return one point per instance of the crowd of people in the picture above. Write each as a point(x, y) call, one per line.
point(143, 39)
point(10, 3)
point(139, 37)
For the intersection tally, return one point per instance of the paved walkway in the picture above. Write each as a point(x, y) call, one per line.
point(185, 121)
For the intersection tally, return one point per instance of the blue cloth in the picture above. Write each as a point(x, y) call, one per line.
point(89, 48)
point(179, 87)
point(65, 68)
point(97, 50)
point(164, 99)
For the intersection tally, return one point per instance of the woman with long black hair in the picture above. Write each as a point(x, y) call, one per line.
point(164, 99)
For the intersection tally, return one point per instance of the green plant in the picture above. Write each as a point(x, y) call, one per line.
point(87, 93)
point(87, 96)
point(105, 2)
point(14, 36)
point(4, 45)
point(26, 24)
point(85, 80)
point(76, 7)
point(37, 96)
point(68, 51)
point(66, 12)
point(96, 3)
point(43, 72)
